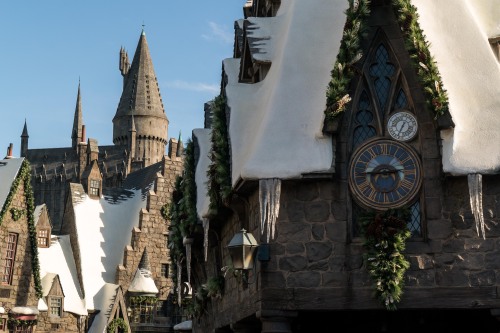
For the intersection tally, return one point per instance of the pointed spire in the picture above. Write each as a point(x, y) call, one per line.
point(25, 130)
point(24, 140)
point(143, 282)
point(76, 135)
point(144, 263)
point(180, 146)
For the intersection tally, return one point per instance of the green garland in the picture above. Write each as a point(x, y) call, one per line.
point(214, 287)
point(24, 175)
point(219, 172)
point(187, 204)
point(115, 324)
point(17, 213)
point(13, 323)
point(424, 63)
point(182, 211)
point(337, 94)
point(143, 299)
point(385, 239)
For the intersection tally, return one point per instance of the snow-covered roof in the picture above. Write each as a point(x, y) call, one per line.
point(25, 310)
point(58, 260)
point(276, 125)
point(104, 298)
point(203, 139)
point(143, 282)
point(184, 326)
point(458, 33)
point(103, 228)
point(9, 169)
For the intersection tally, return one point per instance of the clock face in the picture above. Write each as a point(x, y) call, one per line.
point(402, 126)
point(384, 174)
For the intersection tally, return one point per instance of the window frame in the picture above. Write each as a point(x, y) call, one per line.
point(9, 258)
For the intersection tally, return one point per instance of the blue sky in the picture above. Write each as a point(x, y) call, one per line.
point(48, 46)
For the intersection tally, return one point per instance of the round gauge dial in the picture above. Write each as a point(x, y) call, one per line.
point(402, 126)
point(384, 174)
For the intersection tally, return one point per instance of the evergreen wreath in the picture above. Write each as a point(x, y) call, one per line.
point(385, 240)
point(17, 213)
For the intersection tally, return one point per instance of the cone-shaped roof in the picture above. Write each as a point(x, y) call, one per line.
point(141, 92)
point(143, 282)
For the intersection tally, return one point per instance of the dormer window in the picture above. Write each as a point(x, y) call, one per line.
point(56, 305)
point(95, 186)
point(43, 238)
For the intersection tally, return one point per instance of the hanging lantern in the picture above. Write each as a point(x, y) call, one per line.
point(241, 249)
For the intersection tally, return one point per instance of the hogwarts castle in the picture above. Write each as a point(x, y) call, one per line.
point(94, 219)
point(140, 132)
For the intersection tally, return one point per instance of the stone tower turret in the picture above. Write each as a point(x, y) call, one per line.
point(141, 98)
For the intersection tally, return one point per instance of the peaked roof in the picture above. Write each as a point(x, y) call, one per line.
point(9, 169)
point(143, 281)
point(286, 109)
point(141, 93)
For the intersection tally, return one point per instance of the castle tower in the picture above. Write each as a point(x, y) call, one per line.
point(141, 98)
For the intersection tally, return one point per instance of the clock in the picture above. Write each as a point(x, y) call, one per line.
point(384, 174)
point(402, 126)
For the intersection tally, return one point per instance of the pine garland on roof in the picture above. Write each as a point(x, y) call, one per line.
point(24, 176)
point(182, 210)
point(187, 204)
point(424, 63)
point(219, 171)
point(337, 94)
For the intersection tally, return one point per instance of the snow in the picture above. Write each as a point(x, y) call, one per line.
point(471, 75)
point(276, 125)
point(58, 260)
point(143, 282)
point(25, 310)
point(103, 228)
point(203, 138)
point(184, 326)
point(282, 111)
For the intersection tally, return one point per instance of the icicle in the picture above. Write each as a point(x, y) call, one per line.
point(179, 276)
point(187, 243)
point(269, 199)
point(206, 226)
point(476, 200)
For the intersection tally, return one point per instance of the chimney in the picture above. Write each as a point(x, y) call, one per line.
point(9, 151)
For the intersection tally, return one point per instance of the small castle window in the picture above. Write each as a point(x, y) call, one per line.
point(56, 306)
point(95, 186)
point(43, 238)
point(164, 270)
point(10, 255)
